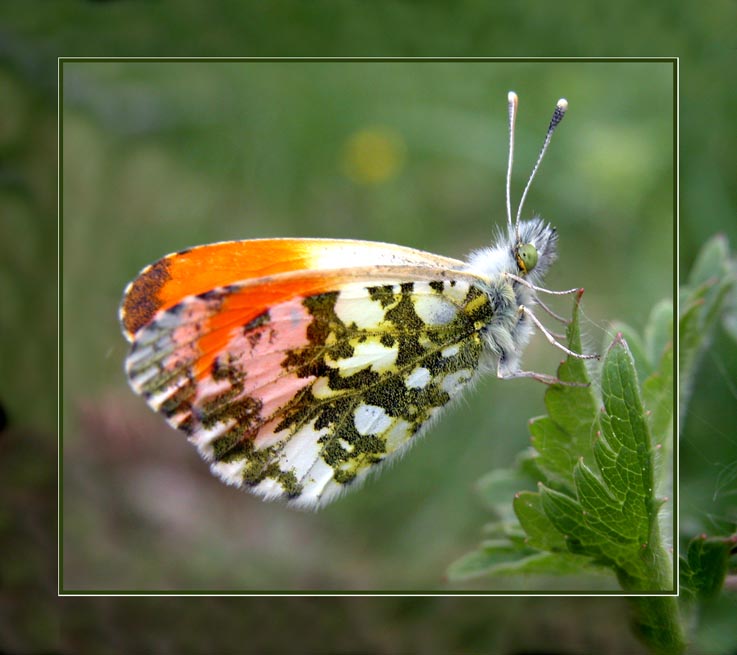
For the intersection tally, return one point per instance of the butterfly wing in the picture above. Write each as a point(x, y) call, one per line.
point(297, 384)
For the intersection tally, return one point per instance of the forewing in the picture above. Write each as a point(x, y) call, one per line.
point(297, 385)
point(198, 270)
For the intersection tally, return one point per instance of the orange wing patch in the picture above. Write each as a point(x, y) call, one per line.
point(198, 270)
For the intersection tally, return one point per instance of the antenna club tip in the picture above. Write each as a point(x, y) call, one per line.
point(512, 97)
point(562, 104)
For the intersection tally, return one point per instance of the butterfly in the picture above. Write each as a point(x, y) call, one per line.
point(297, 366)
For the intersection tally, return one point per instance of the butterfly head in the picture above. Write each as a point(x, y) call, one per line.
point(526, 256)
point(535, 249)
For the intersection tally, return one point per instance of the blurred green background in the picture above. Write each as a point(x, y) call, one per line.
point(160, 156)
point(30, 40)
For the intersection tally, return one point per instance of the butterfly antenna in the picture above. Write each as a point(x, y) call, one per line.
point(512, 107)
point(560, 111)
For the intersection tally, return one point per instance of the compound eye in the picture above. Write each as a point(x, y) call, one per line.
point(526, 257)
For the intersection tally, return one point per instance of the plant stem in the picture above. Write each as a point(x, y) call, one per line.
point(657, 623)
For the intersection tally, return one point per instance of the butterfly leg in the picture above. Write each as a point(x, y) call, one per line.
point(529, 285)
point(551, 339)
point(540, 377)
point(547, 309)
point(550, 312)
point(503, 372)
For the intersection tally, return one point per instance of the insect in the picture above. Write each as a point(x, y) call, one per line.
point(297, 366)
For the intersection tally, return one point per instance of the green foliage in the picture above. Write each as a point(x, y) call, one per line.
point(703, 300)
point(595, 466)
point(599, 470)
point(656, 622)
point(502, 558)
point(708, 446)
point(598, 462)
point(705, 565)
point(709, 296)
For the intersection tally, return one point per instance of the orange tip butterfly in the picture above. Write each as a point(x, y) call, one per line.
point(297, 366)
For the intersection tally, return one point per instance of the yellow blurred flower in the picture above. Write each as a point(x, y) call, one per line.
point(373, 155)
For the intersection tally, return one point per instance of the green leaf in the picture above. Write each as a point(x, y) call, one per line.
point(657, 394)
point(702, 302)
point(729, 320)
point(625, 433)
point(500, 558)
point(709, 261)
point(644, 361)
point(729, 315)
point(541, 533)
point(548, 564)
point(654, 365)
point(705, 566)
point(612, 517)
point(555, 455)
point(483, 561)
point(565, 434)
point(498, 487)
point(526, 463)
point(510, 530)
